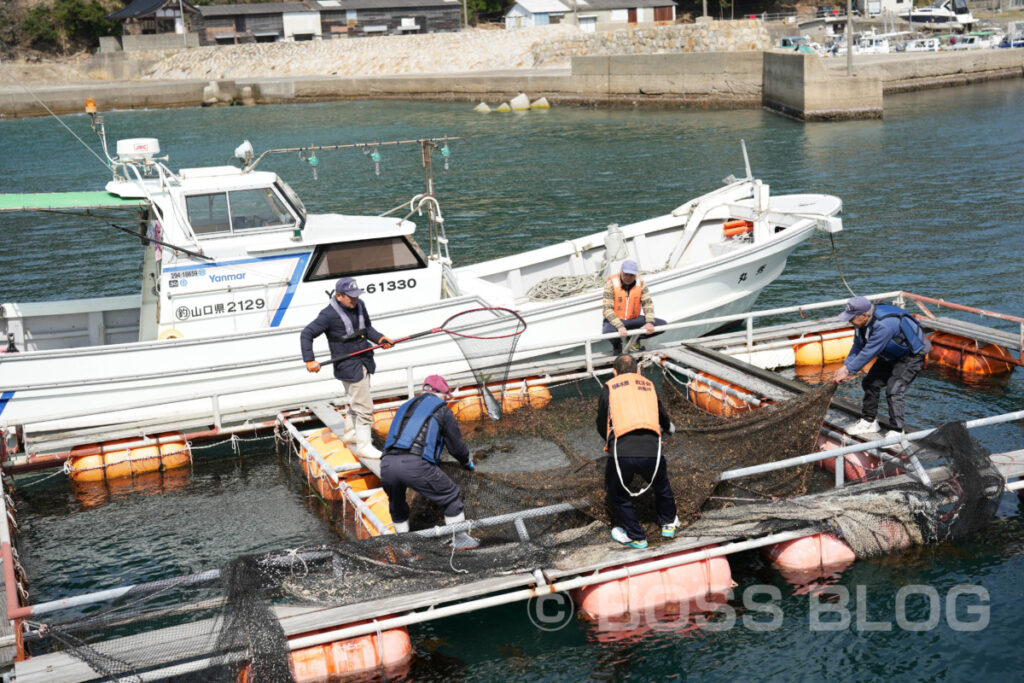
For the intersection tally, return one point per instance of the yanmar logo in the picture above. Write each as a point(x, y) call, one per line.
point(229, 277)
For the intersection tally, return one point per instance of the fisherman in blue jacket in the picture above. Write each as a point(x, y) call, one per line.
point(421, 429)
point(347, 325)
point(898, 343)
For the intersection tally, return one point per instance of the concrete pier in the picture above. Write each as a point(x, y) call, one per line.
point(805, 87)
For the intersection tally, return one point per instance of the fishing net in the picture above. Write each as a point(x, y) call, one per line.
point(551, 463)
point(487, 338)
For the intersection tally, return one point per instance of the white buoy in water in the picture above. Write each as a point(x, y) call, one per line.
point(482, 108)
point(541, 103)
point(503, 107)
point(520, 102)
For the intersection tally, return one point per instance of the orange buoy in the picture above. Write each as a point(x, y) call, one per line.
point(716, 401)
point(811, 557)
point(382, 421)
point(378, 504)
point(856, 466)
point(737, 227)
point(968, 356)
point(169, 452)
point(471, 407)
point(652, 590)
point(335, 453)
point(813, 350)
point(350, 658)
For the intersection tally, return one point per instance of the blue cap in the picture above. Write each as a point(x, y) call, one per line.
point(629, 267)
point(855, 306)
point(347, 285)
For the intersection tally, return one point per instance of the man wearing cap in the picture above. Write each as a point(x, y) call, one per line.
point(627, 305)
point(898, 344)
point(421, 429)
point(347, 325)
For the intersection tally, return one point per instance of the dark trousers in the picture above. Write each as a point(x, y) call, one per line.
point(401, 472)
point(895, 376)
point(664, 501)
point(631, 324)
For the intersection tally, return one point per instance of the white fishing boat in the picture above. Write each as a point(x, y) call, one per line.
point(234, 266)
point(941, 14)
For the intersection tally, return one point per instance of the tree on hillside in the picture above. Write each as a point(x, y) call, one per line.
point(68, 25)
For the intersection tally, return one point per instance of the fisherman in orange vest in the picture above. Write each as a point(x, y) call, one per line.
point(632, 419)
point(627, 305)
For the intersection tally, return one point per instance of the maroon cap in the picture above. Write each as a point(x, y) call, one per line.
point(436, 384)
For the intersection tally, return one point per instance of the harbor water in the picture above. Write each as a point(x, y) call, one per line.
point(932, 205)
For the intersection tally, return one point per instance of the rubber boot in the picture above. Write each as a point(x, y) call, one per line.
point(349, 437)
point(461, 540)
point(401, 527)
point(364, 445)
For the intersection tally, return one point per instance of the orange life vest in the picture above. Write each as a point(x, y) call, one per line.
point(627, 304)
point(632, 404)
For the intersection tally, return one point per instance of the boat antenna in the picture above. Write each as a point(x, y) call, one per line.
point(50, 112)
point(746, 159)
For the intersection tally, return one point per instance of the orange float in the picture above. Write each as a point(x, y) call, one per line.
point(471, 407)
point(813, 350)
point(737, 227)
point(363, 656)
point(334, 451)
point(650, 591)
point(378, 503)
point(805, 559)
point(856, 466)
point(716, 401)
point(968, 356)
point(169, 452)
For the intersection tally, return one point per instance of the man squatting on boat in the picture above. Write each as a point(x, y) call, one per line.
point(347, 325)
point(631, 418)
point(423, 426)
point(898, 344)
point(627, 305)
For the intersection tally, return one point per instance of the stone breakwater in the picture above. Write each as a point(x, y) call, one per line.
point(469, 50)
point(464, 51)
point(721, 36)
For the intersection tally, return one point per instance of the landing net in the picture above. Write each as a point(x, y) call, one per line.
point(530, 460)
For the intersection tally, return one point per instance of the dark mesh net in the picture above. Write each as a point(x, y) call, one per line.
point(551, 463)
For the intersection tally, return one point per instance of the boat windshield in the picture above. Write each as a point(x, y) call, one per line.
point(293, 199)
point(222, 212)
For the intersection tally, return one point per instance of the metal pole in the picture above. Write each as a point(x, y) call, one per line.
point(849, 37)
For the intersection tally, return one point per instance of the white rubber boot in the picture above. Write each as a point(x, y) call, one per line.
point(401, 527)
point(349, 437)
point(461, 540)
point(364, 445)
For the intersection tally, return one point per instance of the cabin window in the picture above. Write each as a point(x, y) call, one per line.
point(208, 213)
point(257, 209)
point(237, 210)
point(365, 257)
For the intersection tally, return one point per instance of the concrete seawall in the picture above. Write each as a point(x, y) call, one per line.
point(802, 86)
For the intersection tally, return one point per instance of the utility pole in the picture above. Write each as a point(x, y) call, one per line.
point(184, 28)
point(705, 8)
point(849, 37)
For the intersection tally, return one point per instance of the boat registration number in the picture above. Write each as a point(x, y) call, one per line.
point(187, 312)
point(390, 285)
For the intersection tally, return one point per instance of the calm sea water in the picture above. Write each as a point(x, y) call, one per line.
point(933, 205)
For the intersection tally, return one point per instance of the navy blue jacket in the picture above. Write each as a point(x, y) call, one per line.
point(329, 322)
point(426, 435)
point(891, 334)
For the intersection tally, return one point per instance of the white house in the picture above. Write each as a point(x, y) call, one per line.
point(535, 13)
point(589, 13)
